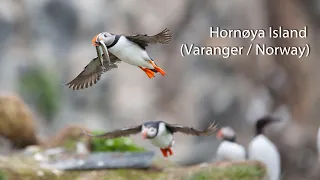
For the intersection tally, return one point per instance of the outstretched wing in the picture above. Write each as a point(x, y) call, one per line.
point(92, 72)
point(190, 131)
point(117, 133)
point(164, 37)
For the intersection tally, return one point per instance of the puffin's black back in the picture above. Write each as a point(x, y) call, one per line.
point(263, 122)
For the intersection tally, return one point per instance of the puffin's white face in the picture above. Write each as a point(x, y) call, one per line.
point(149, 132)
point(106, 37)
point(226, 133)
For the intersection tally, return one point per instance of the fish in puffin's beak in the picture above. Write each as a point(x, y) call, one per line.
point(97, 43)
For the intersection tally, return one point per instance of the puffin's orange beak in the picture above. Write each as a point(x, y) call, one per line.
point(144, 134)
point(94, 40)
point(219, 135)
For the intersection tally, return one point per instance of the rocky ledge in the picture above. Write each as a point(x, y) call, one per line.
point(25, 168)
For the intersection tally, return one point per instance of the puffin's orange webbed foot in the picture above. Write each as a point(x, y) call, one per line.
point(166, 151)
point(170, 151)
point(149, 73)
point(157, 68)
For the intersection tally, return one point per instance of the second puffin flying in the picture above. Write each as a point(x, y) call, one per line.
point(159, 133)
point(116, 48)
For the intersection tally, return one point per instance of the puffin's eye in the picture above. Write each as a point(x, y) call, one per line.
point(105, 35)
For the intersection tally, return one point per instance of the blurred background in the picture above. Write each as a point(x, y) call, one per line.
point(44, 44)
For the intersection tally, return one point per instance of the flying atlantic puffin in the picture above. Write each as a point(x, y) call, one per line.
point(116, 48)
point(159, 133)
point(228, 149)
point(262, 149)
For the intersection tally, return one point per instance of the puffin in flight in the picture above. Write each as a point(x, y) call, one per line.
point(116, 48)
point(159, 133)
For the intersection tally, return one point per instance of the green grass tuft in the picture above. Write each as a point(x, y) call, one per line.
point(3, 176)
point(122, 144)
point(41, 86)
point(237, 172)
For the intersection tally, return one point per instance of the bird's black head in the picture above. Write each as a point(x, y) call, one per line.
point(105, 37)
point(150, 129)
point(154, 124)
point(263, 122)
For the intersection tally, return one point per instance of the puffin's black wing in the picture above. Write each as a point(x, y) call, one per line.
point(92, 72)
point(164, 37)
point(190, 131)
point(117, 133)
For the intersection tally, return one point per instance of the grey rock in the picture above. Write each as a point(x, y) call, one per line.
point(109, 160)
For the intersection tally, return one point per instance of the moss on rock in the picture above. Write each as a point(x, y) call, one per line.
point(3, 175)
point(239, 172)
point(39, 84)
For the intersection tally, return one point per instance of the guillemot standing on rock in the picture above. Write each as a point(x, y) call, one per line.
point(116, 48)
point(228, 149)
point(159, 133)
point(262, 149)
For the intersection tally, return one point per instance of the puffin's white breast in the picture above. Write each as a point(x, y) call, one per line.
point(131, 53)
point(263, 150)
point(230, 151)
point(163, 140)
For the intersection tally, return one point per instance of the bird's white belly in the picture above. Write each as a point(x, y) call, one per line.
point(163, 141)
point(263, 150)
point(131, 53)
point(229, 151)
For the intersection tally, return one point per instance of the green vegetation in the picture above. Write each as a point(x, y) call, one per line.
point(122, 144)
point(70, 144)
point(3, 176)
point(25, 168)
point(237, 172)
point(41, 85)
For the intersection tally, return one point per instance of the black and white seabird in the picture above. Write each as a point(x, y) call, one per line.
point(116, 48)
point(159, 133)
point(228, 149)
point(262, 149)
